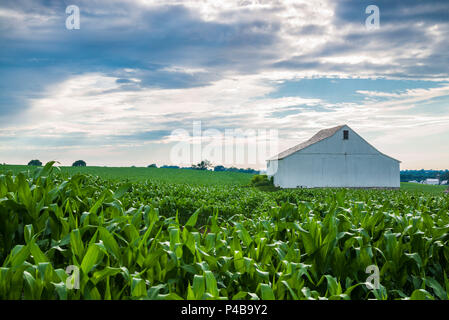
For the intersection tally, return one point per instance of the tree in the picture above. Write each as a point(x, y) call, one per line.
point(153, 165)
point(35, 163)
point(203, 165)
point(79, 163)
point(445, 176)
point(219, 168)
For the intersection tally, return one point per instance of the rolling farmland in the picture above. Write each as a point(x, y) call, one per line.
point(133, 174)
point(144, 233)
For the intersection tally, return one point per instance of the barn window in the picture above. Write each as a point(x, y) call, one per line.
point(345, 134)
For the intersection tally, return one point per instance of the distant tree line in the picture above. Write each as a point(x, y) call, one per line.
point(234, 169)
point(78, 163)
point(420, 175)
point(205, 165)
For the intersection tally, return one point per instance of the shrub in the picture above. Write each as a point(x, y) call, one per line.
point(260, 180)
point(153, 165)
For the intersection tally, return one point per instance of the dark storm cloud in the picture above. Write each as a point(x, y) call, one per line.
point(116, 36)
point(133, 38)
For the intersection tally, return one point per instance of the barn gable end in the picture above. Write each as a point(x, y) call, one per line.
point(334, 157)
point(332, 141)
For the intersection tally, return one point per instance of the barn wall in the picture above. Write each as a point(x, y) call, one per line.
point(325, 170)
point(335, 162)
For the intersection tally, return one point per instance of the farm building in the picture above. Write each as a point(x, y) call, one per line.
point(431, 181)
point(334, 157)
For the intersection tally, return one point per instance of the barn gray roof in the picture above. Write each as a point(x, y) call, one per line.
point(321, 135)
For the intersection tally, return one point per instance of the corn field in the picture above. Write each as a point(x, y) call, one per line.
point(155, 240)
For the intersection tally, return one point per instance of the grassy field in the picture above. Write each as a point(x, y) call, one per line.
point(177, 176)
point(192, 177)
point(407, 186)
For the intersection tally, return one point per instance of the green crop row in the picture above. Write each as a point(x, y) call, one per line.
point(152, 240)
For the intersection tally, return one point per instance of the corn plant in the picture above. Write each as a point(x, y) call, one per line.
point(155, 240)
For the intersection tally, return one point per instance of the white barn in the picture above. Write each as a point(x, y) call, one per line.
point(334, 157)
point(432, 181)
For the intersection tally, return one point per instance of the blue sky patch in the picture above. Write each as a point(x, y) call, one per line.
point(336, 90)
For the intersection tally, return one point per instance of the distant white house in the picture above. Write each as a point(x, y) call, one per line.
point(414, 181)
point(431, 181)
point(444, 182)
point(334, 157)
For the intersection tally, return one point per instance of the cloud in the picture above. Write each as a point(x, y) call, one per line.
point(136, 70)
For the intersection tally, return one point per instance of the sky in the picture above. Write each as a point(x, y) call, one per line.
point(138, 78)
